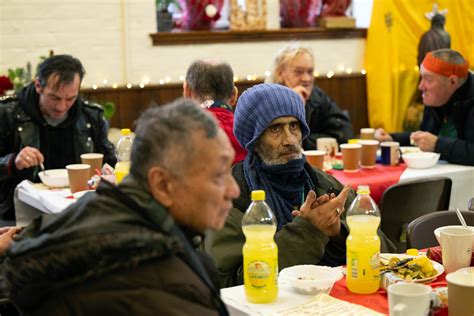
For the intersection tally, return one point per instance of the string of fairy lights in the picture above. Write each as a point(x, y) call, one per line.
point(250, 77)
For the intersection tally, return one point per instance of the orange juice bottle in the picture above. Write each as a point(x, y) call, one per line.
point(123, 153)
point(260, 251)
point(363, 244)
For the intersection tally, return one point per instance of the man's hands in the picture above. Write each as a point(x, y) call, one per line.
point(424, 140)
point(28, 157)
point(303, 92)
point(7, 234)
point(324, 211)
point(382, 136)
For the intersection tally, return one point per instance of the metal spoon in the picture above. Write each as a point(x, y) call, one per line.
point(461, 218)
point(42, 169)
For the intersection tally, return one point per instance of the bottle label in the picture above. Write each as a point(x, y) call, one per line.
point(259, 272)
point(357, 271)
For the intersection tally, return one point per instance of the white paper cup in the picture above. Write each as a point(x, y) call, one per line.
point(408, 299)
point(456, 247)
point(461, 292)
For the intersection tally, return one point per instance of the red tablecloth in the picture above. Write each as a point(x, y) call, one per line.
point(378, 178)
point(378, 301)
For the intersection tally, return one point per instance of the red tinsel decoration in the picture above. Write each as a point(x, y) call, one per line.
point(299, 13)
point(5, 84)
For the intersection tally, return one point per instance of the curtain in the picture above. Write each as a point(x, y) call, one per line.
point(391, 53)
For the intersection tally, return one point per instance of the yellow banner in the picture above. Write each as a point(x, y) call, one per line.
point(392, 47)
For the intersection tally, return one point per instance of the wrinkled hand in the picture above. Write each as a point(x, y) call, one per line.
point(319, 201)
point(303, 92)
point(424, 140)
point(382, 136)
point(7, 234)
point(325, 215)
point(28, 157)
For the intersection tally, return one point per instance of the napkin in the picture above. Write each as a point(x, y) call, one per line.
point(47, 201)
point(435, 254)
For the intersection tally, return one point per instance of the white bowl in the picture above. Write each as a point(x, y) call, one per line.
point(421, 160)
point(311, 279)
point(437, 233)
point(55, 178)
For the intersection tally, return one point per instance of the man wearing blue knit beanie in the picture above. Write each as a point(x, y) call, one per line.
point(311, 229)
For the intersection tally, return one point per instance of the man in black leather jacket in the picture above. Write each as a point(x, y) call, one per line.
point(294, 67)
point(448, 95)
point(48, 123)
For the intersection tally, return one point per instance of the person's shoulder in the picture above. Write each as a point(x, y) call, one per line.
point(8, 101)
point(92, 106)
point(242, 202)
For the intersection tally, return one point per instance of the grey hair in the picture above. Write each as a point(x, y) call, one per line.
point(284, 57)
point(450, 56)
point(164, 137)
point(211, 79)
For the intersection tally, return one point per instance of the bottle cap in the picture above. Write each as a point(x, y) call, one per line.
point(125, 131)
point(258, 195)
point(412, 252)
point(363, 189)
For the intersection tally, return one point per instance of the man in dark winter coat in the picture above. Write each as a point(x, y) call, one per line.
point(47, 122)
point(311, 222)
point(130, 249)
point(447, 128)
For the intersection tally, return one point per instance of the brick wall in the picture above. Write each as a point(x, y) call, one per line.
point(111, 37)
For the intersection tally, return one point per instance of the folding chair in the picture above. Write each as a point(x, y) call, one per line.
point(420, 231)
point(403, 202)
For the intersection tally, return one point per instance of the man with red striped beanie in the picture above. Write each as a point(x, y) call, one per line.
point(447, 128)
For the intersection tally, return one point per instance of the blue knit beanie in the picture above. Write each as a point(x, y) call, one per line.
point(259, 105)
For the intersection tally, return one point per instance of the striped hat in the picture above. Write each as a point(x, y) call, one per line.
point(259, 105)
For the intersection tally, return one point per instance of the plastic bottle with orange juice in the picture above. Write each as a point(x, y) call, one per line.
point(260, 251)
point(123, 153)
point(363, 244)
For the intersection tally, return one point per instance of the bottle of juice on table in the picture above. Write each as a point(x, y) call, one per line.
point(260, 251)
point(363, 244)
point(123, 152)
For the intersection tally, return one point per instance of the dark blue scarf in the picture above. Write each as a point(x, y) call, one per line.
point(283, 184)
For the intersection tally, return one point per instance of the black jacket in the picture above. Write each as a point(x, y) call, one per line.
point(458, 150)
point(325, 119)
point(111, 253)
point(21, 126)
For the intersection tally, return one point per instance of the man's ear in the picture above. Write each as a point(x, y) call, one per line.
point(161, 184)
point(38, 86)
point(186, 90)
point(453, 81)
point(235, 95)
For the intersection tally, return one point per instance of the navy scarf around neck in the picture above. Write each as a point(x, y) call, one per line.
point(283, 184)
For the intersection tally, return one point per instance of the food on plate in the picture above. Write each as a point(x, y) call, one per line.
point(411, 268)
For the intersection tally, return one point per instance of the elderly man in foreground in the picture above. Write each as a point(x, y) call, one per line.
point(311, 228)
point(130, 250)
point(447, 128)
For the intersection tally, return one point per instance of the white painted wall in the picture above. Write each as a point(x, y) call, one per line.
point(111, 38)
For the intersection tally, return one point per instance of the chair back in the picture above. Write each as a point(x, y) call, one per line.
point(403, 202)
point(420, 231)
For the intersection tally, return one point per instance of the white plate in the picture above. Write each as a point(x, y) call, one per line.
point(437, 266)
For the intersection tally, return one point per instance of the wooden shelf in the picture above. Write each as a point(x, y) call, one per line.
point(224, 36)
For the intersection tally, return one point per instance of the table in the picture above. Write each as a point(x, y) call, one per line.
point(234, 298)
point(382, 177)
point(34, 199)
